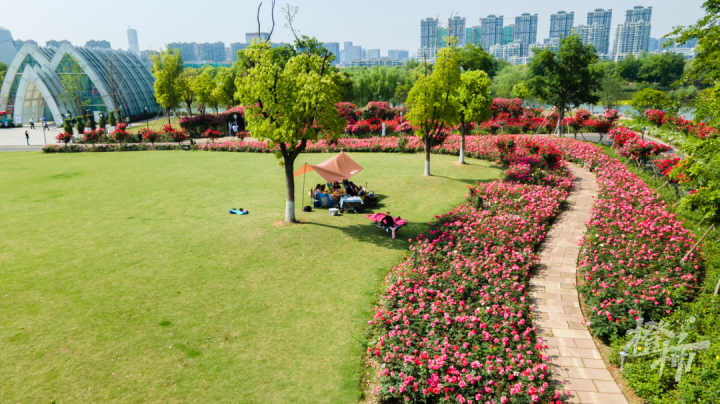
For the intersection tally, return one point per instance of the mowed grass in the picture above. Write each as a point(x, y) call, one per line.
point(123, 278)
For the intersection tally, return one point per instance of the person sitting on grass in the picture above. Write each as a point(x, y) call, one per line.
point(336, 186)
point(389, 224)
point(316, 192)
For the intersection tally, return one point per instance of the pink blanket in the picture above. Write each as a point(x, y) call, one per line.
point(380, 216)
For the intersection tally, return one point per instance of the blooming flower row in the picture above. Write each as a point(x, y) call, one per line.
point(700, 130)
point(454, 322)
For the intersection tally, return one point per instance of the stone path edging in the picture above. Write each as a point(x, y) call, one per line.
point(574, 358)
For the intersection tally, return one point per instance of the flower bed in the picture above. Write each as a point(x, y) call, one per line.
point(631, 256)
point(454, 322)
point(689, 128)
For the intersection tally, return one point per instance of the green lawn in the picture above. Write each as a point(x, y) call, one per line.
point(123, 278)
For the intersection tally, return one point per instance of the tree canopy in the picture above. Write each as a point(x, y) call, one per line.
point(167, 69)
point(648, 98)
point(565, 79)
point(474, 57)
point(473, 102)
point(430, 103)
point(288, 103)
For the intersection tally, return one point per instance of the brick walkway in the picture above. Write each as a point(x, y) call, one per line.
point(573, 355)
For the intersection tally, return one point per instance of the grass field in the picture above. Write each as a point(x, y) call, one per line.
point(123, 278)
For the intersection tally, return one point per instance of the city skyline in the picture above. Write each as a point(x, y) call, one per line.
point(155, 34)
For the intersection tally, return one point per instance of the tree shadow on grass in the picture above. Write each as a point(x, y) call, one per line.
point(466, 181)
point(367, 233)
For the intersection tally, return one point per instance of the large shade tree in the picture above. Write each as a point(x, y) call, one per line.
point(473, 103)
point(289, 102)
point(566, 79)
point(167, 69)
point(430, 102)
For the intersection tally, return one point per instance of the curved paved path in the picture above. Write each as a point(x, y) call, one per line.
point(574, 357)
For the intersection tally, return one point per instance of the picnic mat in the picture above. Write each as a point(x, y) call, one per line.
point(379, 216)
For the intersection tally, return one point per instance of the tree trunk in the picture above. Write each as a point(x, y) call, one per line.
point(427, 155)
point(462, 143)
point(290, 189)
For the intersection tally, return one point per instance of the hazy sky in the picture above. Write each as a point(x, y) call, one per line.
point(371, 24)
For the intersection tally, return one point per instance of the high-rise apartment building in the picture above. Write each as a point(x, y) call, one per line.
point(133, 44)
point(442, 33)
point(189, 50)
point(526, 28)
point(56, 44)
point(19, 43)
point(334, 48)
point(363, 54)
point(638, 14)
point(428, 33)
point(373, 54)
point(561, 24)
point(492, 31)
point(98, 44)
point(594, 35)
point(234, 48)
point(473, 34)
point(508, 34)
point(633, 36)
point(211, 52)
point(456, 28)
point(398, 54)
point(250, 36)
point(352, 52)
point(602, 18)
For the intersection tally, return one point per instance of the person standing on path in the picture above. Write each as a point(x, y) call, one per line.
point(235, 130)
point(32, 123)
point(27, 137)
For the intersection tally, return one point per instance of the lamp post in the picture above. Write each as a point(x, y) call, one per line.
point(147, 121)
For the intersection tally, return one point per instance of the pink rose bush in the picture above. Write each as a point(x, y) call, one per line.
point(455, 322)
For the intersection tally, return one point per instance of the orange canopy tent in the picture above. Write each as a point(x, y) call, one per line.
point(333, 169)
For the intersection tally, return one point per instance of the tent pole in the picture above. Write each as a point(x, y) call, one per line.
point(303, 198)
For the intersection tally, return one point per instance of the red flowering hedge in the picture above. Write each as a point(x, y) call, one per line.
point(700, 130)
point(194, 126)
point(513, 107)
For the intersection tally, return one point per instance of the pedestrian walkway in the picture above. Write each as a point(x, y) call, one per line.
point(573, 355)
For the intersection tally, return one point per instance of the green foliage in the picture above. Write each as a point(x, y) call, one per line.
point(701, 171)
point(80, 124)
point(504, 82)
point(430, 102)
point(662, 69)
point(565, 79)
point(289, 103)
point(610, 92)
point(629, 68)
point(90, 121)
point(73, 83)
point(204, 87)
point(224, 91)
point(474, 57)
point(377, 83)
point(112, 121)
point(102, 123)
point(472, 97)
point(649, 99)
point(520, 90)
point(67, 126)
point(167, 69)
point(3, 71)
